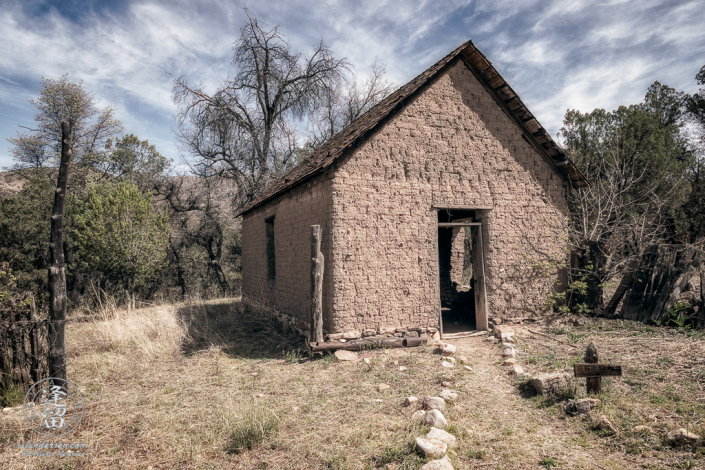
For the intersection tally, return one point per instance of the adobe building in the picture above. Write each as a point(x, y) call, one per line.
point(441, 207)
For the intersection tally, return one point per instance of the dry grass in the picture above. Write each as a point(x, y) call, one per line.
point(661, 387)
point(219, 385)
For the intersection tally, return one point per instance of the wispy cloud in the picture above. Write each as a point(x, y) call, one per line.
point(557, 54)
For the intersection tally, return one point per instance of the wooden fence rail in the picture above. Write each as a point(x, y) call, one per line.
point(23, 345)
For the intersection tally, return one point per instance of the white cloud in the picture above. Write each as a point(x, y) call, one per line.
point(557, 54)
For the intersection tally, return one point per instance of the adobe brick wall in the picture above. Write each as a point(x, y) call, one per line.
point(295, 212)
point(452, 145)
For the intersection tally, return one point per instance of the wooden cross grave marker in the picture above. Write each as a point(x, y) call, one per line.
point(594, 371)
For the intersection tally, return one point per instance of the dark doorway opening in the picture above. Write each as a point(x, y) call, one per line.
point(461, 272)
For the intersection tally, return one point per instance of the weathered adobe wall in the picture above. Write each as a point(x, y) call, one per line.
point(295, 212)
point(452, 145)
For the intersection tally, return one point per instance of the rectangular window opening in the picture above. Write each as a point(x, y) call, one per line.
point(271, 261)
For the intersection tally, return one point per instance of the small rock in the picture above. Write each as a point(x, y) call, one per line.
point(435, 418)
point(441, 464)
point(643, 429)
point(366, 333)
point(579, 322)
point(509, 352)
point(418, 415)
point(448, 395)
point(502, 330)
point(295, 409)
point(446, 384)
point(411, 334)
point(546, 384)
point(681, 437)
point(580, 407)
point(408, 401)
point(467, 367)
point(366, 360)
point(508, 337)
point(259, 395)
point(463, 360)
point(441, 435)
point(517, 370)
point(447, 350)
point(402, 368)
point(432, 448)
point(343, 355)
point(436, 336)
point(378, 400)
point(604, 423)
point(510, 361)
point(433, 403)
point(450, 359)
point(383, 387)
point(449, 365)
point(396, 363)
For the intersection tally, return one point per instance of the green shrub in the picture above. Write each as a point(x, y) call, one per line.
point(11, 395)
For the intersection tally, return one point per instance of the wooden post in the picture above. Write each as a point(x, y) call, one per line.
point(20, 358)
point(57, 270)
point(594, 384)
point(316, 285)
point(35, 343)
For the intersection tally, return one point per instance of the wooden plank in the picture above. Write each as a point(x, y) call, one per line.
point(459, 224)
point(594, 384)
point(478, 265)
point(624, 284)
point(317, 262)
point(461, 207)
point(597, 370)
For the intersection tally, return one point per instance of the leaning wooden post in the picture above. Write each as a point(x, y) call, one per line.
point(316, 285)
point(57, 270)
point(594, 384)
point(35, 342)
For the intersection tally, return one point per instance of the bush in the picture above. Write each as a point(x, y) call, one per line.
point(257, 424)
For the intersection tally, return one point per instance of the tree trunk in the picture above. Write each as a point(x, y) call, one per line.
point(592, 262)
point(57, 270)
point(179, 272)
point(214, 256)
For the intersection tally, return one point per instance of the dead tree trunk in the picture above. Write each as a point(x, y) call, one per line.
point(316, 285)
point(57, 270)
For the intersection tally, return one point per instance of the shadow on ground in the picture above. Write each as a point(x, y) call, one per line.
point(238, 330)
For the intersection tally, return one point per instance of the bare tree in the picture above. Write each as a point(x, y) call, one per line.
point(341, 106)
point(247, 129)
point(90, 128)
point(200, 215)
point(636, 159)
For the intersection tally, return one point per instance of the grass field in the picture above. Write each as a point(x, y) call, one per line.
point(219, 385)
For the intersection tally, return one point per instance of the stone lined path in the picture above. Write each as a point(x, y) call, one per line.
point(508, 429)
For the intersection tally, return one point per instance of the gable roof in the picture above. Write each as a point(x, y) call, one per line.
point(321, 159)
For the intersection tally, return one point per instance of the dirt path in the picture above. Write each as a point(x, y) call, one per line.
point(512, 431)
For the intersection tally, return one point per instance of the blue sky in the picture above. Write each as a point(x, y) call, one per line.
point(557, 55)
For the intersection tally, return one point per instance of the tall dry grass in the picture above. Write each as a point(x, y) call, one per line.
point(150, 330)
